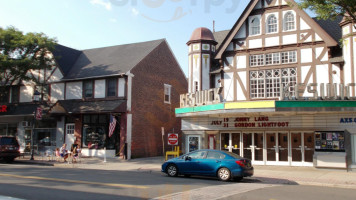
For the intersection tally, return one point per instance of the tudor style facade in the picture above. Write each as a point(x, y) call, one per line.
point(286, 88)
point(138, 84)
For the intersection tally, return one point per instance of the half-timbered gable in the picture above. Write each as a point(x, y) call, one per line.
point(273, 44)
point(349, 50)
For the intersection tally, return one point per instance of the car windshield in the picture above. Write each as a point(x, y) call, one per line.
point(233, 155)
point(8, 141)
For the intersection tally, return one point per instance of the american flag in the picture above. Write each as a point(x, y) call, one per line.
point(112, 125)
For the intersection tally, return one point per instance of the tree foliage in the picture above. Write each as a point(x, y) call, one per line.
point(21, 54)
point(329, 9)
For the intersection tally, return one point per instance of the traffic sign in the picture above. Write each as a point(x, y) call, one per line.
point(172, 138)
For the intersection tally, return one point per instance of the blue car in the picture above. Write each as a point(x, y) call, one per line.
point(222, 164)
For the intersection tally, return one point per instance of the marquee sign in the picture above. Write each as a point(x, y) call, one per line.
point(324, 92)
point(249, 122)
point(199, 98)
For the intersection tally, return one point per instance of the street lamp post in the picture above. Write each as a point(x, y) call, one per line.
point(36, 98)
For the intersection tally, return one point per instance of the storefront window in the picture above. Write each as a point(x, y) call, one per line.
point(8, 129)
point(193, 142)
point(95, 132)
point(44, 139)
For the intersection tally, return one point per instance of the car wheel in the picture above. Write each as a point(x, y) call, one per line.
point(172, 170)
point(224, 174)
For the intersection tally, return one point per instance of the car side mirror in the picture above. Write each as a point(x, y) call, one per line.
point(188, 158)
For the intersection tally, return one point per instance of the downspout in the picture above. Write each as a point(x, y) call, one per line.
point(129, 114)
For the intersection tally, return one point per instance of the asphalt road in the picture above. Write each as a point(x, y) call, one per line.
point(43, 182)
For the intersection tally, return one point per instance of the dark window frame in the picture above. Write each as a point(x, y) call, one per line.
point(85, 89)
point(15, 94)
point(115, 88)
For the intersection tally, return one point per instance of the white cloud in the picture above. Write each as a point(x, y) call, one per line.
point(134, 11)
point(104, 3)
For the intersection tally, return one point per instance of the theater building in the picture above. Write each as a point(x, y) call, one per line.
point(277, 88)
point(137, 84)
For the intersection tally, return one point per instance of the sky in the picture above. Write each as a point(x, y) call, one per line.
point(87, 24)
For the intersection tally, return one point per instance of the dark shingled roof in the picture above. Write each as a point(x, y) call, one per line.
point(65, 57)
point(332, 27)
point(220, 36)
point(108, 61)
point(78, 106)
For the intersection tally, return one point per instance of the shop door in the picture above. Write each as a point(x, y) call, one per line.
point(282, 147)
point(296, 146)
point(271, 147)
point(211, 142)
point(258, 140)
point(308, 147)
point(247, 145)
point(69, 140)
point(235, 142)
point(225, 141)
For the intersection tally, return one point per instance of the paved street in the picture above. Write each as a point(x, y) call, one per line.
point(47, 182)
point(92, 178)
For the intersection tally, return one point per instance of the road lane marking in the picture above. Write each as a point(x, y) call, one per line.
point(76, 181)
point(215, 192)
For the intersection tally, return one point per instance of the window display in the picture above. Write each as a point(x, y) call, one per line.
point(330, 141)
point(95, 132)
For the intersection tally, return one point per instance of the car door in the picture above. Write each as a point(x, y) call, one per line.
point(211, 163)
point(191, 165)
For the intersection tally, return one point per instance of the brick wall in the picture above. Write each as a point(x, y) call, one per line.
point(150, 113)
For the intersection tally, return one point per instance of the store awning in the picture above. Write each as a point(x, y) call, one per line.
point(79, 106)
point(27, 109)
point(271, 107)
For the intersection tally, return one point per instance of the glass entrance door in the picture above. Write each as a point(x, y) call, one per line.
point(283, 147)
point(247, 145)
point(308, 147)
point(258, 139)
point(296, 144)
point(225, 141)
point(271, 147)
point(235, 142)
point(231, 142)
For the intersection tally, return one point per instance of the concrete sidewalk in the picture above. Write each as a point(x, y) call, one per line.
point(263, 174)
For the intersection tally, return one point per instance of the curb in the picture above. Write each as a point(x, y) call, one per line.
point(30, 162)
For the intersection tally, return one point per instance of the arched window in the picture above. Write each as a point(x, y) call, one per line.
point(289, 23)
point(271, 24)
point(255, 26)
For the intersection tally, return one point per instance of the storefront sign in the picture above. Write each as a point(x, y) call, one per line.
point(325, 92)
point(3, 108)
point(200, 98)
point(248, 122)
point(172, 138)
point(347, 120)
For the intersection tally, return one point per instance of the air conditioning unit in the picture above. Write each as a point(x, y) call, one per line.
point(26, 124)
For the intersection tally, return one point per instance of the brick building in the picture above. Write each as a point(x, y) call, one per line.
point(136, 84)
